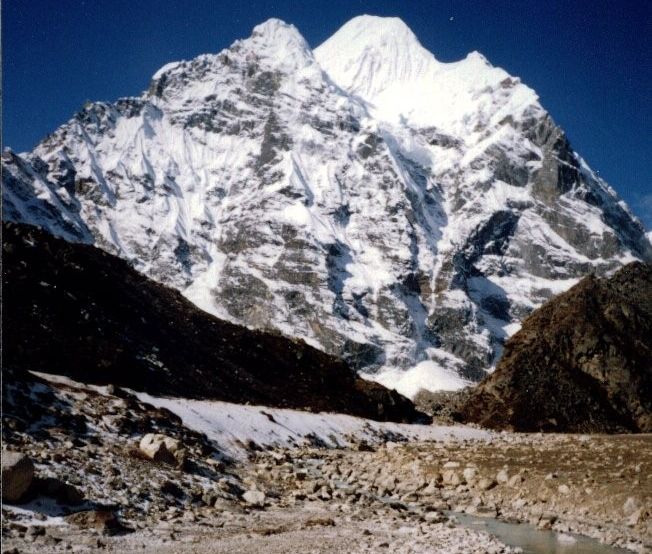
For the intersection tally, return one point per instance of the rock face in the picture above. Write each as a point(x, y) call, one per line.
point(280, 188)
point(582, 362)
point(97, 320)
point(17, 475)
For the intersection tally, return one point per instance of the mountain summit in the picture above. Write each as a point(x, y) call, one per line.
point(399, 212)
point(381, 60)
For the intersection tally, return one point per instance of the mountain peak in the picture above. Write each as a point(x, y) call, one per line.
point(369, 53)
point(278, 33)
point(281, 42)
point(380, 60)
point(372, 27)
point(275, 28)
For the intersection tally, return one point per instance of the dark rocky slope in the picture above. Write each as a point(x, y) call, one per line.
point(580, 363)
point(74, 310)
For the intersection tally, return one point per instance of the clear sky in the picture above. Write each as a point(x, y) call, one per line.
point(589, 60)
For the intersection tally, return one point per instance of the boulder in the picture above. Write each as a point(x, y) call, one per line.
point(636, 517)
point(515, 480)
point(104, 521)
point(163, 449)
point(470, 474)
point(486, 484)
point(17, 475)
point(254, 498)
point(631, 505)
point(434, 517)
point(451, 477)
point(61, 491)
point(546, 521)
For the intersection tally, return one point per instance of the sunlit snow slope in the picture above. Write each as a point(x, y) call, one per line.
point(394, 210)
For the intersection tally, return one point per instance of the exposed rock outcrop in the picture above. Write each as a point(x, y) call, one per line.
point(582, 362)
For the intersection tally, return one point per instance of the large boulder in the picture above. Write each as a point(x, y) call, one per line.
point(17, 475)
point(62, 492)
point(254, 498)
point(163, 449)
point(104, 521)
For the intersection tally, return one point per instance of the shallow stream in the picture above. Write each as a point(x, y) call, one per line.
point(536, 541)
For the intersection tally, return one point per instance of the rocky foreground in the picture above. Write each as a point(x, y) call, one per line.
point(98, 469)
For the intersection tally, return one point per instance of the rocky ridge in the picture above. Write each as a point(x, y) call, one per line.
point(272, 188)
point(72, 309)
point(583, 360)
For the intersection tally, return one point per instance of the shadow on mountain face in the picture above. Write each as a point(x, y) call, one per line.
point(74, 310)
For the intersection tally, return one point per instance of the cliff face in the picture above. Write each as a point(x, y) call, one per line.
point(74, 310)
point(582, 362)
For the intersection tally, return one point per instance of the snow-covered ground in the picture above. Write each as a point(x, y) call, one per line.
point(233, 425)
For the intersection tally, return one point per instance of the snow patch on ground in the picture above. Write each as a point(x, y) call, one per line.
point(428, 375)
point(232, 426)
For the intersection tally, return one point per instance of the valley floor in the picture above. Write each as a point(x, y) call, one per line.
point(376, 492)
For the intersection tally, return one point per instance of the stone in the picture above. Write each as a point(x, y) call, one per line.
point(451, 477)
point(434, 517)
point(486, 511)
point(254, 498)
point(470, 474)
point(636, 517)
point(546, 521)
point(171, 488)
point(631, 505)
point(563, 489)
point(17, 475)
point(502, 476)
point(63, 492)
point(515, 480)
point(486, 484)
point(163, 449)
point(430, 490)
point(104, 521)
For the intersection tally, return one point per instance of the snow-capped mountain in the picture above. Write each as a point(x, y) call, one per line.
point(386, 207)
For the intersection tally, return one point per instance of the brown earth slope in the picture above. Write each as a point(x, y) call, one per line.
point(580, 363)
point(74, 310)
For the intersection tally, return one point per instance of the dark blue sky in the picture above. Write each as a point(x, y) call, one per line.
point(589, 60)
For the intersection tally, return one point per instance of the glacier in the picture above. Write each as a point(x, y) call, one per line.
point(400, 212)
